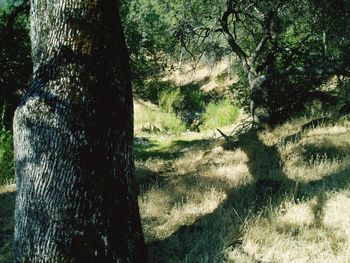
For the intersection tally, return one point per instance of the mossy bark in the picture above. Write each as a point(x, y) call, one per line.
point(73, 131)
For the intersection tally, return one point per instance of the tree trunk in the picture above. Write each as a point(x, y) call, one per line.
point(73, 131)
point(259, 112)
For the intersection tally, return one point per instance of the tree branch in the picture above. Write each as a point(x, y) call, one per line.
point(260, 47)
point(299, 71)
point(242, 55)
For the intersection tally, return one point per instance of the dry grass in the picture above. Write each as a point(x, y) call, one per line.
point(281, 196)
point(187, 74)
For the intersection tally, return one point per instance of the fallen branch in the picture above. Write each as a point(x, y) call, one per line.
point(230, 144)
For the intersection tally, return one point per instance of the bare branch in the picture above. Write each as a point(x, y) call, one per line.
point(242, 55)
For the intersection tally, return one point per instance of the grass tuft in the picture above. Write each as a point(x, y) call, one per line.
point(219, 114)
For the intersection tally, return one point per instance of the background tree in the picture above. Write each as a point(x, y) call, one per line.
point(15, 60)
point(148, 31)
point(281, 51)
point(280, 47)
point(73, 131)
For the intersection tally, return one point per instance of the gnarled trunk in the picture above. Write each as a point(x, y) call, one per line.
point(76, 199)
point(258, 110)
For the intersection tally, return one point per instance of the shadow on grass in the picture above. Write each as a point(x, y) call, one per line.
point(207, 237)
point(296, 137)
point(168, 151)
point(7, 206)
point(334, 152)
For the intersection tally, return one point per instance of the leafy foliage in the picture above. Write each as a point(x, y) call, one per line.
point(15, 60)
point(269, 37)
point(148, 30)
point(6, 158)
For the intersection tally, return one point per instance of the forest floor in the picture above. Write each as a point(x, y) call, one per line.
point(281, 195)
point(7, 205)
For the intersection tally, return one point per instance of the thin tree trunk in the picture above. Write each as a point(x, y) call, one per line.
point(76, 198)
point(258, 108)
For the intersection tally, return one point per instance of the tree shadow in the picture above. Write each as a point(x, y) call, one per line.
point(145, 149)
point(222, 228)
point(313, 152)
point(166, 152)
point(296, 137)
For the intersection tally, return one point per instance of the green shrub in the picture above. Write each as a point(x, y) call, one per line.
point(6, 158)
point(193, 98)
point(170, 100)
point(157, 121)
point(172, 123)
point(218, 114)
point(221, 78)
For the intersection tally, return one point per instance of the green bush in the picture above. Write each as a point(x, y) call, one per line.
point(157, 121)
point(221, 78)
point(170, 100)
point(172, 123)
point(193, 98)
point(6, 158)
point(218, 114)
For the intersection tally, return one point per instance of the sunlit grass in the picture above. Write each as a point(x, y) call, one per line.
point(279, 196)
point(282, 196)
point(148, 118)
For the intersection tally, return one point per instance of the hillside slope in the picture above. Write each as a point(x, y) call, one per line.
point(279, 196)
point(274, 196)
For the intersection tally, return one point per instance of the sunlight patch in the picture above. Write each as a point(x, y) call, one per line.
point(328, 130)
point(337, 213)
point(297, 214)
point(234, 175)
point(7, 189)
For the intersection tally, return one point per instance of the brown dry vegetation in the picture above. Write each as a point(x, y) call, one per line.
point(279, 196)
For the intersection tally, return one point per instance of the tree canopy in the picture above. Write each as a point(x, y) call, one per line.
point(293, 46)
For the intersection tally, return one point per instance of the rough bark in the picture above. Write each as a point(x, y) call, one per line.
point(76, 198)
point(258, 108)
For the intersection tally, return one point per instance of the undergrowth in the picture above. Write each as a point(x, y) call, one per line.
point(148, 118)
point(219, 114)
point(6, 158)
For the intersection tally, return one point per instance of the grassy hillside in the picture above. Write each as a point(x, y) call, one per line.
point(273, 196)
point(279, 196)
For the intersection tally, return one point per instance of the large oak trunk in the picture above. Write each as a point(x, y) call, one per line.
point(73, 131)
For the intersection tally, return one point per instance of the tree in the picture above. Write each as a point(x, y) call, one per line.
point(279, 57)
point(148, 27)
point(15, 60)
point(280, 47)
point(73, 132)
